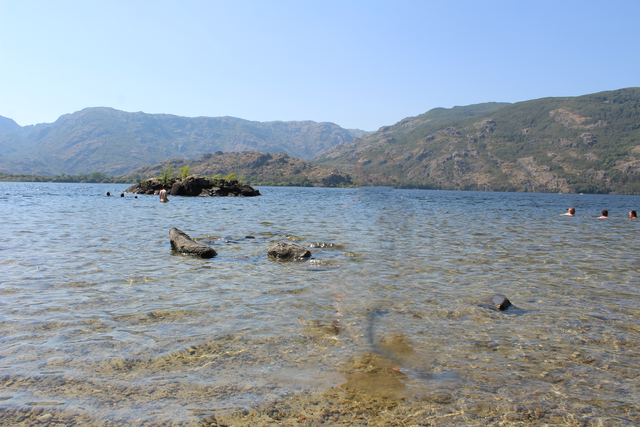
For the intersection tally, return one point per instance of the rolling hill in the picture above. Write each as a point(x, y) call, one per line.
point(589, 143)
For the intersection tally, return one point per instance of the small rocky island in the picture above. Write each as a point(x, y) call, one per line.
point(195, 186)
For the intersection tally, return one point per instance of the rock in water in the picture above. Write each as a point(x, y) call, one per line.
point(194, 186)
point(497, 302)
point(288, 251)
point(191, 186)
point(181, 242)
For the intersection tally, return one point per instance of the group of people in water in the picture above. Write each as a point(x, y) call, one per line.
point(571, 212)
point(163, 195)
point(121, 194)
point(604, 213)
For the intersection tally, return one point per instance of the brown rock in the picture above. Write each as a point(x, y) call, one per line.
point(497, 302)
point(288, 251)
point(181, 242)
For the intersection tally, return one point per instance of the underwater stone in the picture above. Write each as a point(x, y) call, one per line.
point(288, 251)
point(497, 302)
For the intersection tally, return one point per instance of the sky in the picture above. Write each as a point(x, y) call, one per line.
point(358, 64)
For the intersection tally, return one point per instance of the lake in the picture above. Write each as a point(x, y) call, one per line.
point(385, 325)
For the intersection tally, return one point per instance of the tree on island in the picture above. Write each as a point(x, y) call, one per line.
point(185, 172)
point(166, 176)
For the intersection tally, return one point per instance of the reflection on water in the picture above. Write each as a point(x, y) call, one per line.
point(385, 325)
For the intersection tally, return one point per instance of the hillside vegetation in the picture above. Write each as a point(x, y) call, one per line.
point(585, 144)
point(94, 177)
point(116, 142)
point(255, 168)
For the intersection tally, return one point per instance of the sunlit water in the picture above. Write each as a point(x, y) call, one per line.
point(99, 317)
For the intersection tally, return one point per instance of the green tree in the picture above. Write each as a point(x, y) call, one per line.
point(230, 177)
point(167, 175)
point(214, 179)
point(98, 177)
point(185, 172)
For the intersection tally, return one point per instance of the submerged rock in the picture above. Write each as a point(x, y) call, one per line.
point(181, 242)
point(288, 251)
point(497, 302)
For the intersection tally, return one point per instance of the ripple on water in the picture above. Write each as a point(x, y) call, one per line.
point(104, 324)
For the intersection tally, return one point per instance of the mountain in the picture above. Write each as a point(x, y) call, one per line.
point(256, 168)
point(589, 143)
point(117, 142)
point(7, 125)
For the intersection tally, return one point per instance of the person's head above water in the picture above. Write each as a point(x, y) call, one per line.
point(605, 213)
point(633, 214)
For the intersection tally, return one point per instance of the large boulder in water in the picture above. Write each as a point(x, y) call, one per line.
point(181, 242)
point(233, 188)
point(288, 251)
point(191, 186)
point(148, 186)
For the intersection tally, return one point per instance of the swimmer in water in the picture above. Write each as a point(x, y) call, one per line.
point(163, 196)
point(605, 214)
point(633, 215)
point(572, 212)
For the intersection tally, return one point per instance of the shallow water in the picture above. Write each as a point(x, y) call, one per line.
point(100, 319)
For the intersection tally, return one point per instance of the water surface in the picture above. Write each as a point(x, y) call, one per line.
point(101, 321)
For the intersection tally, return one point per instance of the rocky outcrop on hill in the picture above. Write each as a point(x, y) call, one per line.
point(194, 186)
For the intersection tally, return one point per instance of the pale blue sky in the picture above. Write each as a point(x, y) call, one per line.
point(359, 64)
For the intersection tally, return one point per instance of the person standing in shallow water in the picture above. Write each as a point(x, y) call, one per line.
point(163, 196)
point(605, 214)
point(572, 212)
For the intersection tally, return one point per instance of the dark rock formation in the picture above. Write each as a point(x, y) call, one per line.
point(148, 186)
point(191, 186)
point(288, 251)
point(497, 302)
point(196, 185)
point(181, 242)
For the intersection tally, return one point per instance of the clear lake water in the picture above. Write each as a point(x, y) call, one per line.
point(100, 318)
